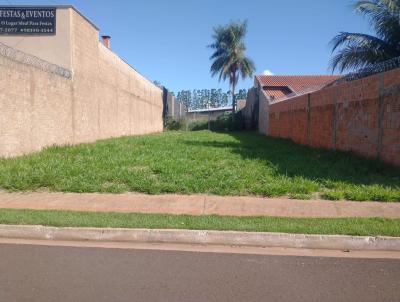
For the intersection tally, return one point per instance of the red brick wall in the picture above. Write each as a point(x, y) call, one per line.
point(361, 116)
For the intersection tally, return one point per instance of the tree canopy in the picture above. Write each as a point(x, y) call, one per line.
point(229, 60)
point(358, 50)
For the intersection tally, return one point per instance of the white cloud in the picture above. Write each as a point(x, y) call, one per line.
point(267, 72)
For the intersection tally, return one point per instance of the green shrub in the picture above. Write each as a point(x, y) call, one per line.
point(198, 125)
point(222, 123)
point(173, 124)
point(225, 122)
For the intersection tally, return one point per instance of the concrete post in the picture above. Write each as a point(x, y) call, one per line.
point(335, 115)
point(309, 119)
point(381, 110)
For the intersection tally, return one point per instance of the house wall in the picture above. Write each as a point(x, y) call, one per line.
point(362, 116)
point(263, 112)
point(104, 98)
point(250, 110)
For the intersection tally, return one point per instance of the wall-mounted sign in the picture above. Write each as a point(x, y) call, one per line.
point(27, 20)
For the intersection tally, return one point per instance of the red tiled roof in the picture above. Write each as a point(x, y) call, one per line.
point(278, 86)
point(278, 91)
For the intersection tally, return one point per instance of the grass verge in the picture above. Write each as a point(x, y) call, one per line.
point(344, 226)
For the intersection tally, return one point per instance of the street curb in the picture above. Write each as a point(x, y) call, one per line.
point(173, 236)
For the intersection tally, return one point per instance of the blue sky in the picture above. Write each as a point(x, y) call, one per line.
point(166, 39)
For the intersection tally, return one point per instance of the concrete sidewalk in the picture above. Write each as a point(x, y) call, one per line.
point(197, 205)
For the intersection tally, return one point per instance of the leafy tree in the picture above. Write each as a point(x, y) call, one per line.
point(157, 83)
point(224, 99)
point(206, 98)
point(185, 97)
point(242, 95)
point(357, 50)
point(229, 57)
point(214, 98)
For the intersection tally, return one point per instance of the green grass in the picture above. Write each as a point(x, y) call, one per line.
point(235, 163)
point(345, 226)
point(333, 195)
point(302, 196)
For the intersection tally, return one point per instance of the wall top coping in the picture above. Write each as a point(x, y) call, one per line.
point(67, 6)
point(227, 108)
point(28, 59)
point(128, 64)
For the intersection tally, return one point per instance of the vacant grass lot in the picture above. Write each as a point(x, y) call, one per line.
point(343, 226)
point(241, 163)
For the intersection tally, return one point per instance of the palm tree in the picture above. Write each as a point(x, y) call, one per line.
point(357, 50)
point(229, 58)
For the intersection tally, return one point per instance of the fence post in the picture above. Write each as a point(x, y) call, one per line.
point(165, 106)
point(308, 118)
point(381, 111)
point(335, 114)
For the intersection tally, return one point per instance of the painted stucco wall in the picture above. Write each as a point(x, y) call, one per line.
point(104, 98)
point(35, 108)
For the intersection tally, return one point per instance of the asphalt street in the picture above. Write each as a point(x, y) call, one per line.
point(58, 273)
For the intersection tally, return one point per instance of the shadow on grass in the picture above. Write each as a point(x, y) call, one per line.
point(322, 165)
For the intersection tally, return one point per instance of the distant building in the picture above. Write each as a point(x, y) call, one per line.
point(274, 88)
point(278, 87)
point(212, 113)
point(174, 109)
